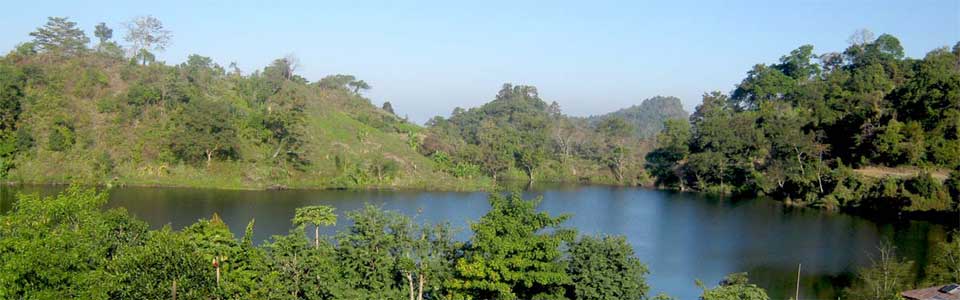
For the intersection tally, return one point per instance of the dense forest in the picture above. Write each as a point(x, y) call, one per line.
point(113, 114)
point(520, 136)
point(865, 129)
point(514, 252)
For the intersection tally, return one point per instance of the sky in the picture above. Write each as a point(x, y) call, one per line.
point(428, 57)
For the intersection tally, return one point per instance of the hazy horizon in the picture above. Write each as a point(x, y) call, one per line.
point(429, 57)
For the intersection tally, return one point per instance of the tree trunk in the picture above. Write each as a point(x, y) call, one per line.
point(174, 289)
point(410, 285)
point(420, 290)
point(722, 165)
point(279, 147)
point(799, 160)
point(316, 236)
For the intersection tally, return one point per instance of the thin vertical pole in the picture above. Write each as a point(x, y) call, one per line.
point(798, 282)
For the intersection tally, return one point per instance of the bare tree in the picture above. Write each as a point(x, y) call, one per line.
point(861, 37)
point(146, 33)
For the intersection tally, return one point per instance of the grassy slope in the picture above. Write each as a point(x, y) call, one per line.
point(111, 149)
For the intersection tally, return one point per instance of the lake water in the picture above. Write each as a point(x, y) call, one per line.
point(680, 236)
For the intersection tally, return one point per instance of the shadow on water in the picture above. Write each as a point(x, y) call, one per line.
point(681, 236)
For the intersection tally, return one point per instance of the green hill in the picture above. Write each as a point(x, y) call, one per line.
point(648, 117)
point(95, 116)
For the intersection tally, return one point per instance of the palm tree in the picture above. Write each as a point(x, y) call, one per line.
point(318, 215)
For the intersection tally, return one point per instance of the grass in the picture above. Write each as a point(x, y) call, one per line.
point(901, 172)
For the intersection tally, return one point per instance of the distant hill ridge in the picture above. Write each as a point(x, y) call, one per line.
point(649, 115)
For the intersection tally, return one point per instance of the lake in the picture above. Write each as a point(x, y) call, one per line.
point(680, 236)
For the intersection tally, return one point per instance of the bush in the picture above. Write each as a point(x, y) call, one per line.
point(61, 138)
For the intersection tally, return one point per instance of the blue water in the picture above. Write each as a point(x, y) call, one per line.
point(680, 236)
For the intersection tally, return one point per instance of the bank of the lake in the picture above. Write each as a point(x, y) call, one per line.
point(681, 236)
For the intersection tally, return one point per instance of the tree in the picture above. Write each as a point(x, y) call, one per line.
point(615, 131)
point(317, 215)
point(60, 36)
point(884, 279)
point(338, 81)
point(159, 268)
point(103, 33)
point(734, 286)
point(82, 242)
point(514, 253)
point(665, 161)
point(426, 257)
point(953, 188)
point(945, 266)
point(12, 81)
point(358, 85)
point(304, 271)
point(388, 107)
point(606, 268)
point(369, 253)
point(203, 130)
point(146, 33)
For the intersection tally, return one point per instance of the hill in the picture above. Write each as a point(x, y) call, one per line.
point(518, 135)
point(648, 117)
point(71, 113)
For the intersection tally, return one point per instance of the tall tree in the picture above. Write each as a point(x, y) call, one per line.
point(884, 279)
point(146, 33)
point(606, 268)
point(317, 215)
point(103, 33)
point(514, 253)
point(203, 130)
point(60, 35)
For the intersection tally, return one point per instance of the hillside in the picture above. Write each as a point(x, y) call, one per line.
point(865, 129)
point(520, 136)
point(95, 116)
point(648, 117)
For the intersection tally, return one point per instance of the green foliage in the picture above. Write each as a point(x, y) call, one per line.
point(520, 133)
point(165, 259)
point(103, 33)
point(648, 118)
point(61, 137)
point(884, 280)
point(388, 107)
point(664, 162)
point(788, 126)
point(317, 215)
point(514, 254)
point(80, 244)
point(366, 252)
point(60, 36)
point(203, 130)
point(605, 268)
point(945, 266)
point(734, 286)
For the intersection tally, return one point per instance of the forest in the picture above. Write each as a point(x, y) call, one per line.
point(112, 114)
point(514, 252)
point(863, 130)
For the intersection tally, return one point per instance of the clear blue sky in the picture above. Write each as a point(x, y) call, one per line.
point(428, 57)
